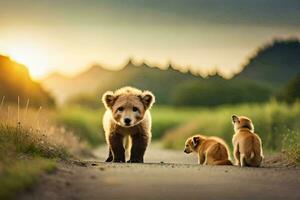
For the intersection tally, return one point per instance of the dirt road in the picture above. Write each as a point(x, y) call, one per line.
point(166, 175)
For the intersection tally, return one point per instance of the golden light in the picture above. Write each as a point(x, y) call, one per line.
point(31, 56)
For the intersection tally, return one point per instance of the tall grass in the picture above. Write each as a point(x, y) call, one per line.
point(272, 122)
point(27, 125)
point(291, 146)
point(29, 145)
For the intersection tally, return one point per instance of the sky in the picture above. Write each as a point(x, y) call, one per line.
point(70, 35)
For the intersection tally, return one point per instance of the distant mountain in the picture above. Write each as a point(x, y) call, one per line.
point(100, 79)
point(274, 64)
point(15, 81)
point(170, 86)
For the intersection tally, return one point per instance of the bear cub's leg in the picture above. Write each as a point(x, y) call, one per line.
point(139, 145)
point(110, 156)
point(116, 147)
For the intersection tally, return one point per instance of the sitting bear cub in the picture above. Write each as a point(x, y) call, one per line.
point(127, 123)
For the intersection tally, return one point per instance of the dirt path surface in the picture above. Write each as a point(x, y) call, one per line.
point(166, 175)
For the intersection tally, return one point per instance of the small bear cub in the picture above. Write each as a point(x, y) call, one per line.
point(211, 150)
point(247, 145)
point(127, 123)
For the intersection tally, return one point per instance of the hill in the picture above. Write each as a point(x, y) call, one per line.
point(274, 64)
point(15, 81)
point(101, 79)
point(169, 86)
point(291, 91)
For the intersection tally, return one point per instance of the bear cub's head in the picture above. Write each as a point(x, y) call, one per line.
point(128, 105)
point(193, 143)
point(242, 122)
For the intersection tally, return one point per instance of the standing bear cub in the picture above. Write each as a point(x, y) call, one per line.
point(127, 123)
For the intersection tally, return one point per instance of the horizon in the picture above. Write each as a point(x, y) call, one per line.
point(50, 37)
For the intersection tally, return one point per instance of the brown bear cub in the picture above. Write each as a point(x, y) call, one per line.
point(211, 150)
point(247, 145)
point(127, 123)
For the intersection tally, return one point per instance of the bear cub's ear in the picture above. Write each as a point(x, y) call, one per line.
point(148, 99)
point(108, 99)
point(235, 119)
point(196, 140)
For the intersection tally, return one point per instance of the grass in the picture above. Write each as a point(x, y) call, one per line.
point(165, 118)
point(291, 146)
point(31, 145)
point(29, 142)
point(21, 174)
point(85, 123)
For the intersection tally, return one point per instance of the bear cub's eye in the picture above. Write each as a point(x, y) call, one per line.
point(120, 109)
point(135, 109)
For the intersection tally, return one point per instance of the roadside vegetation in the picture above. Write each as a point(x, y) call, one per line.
point(31, 145)
point(291, 146)
point(85, 123)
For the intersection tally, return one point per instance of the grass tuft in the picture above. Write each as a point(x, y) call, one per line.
point(29, 142)
point(291, 146)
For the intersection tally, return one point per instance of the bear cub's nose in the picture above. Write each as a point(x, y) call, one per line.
point(127, 121)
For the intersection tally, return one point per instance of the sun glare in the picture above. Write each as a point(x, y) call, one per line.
point(30, 56)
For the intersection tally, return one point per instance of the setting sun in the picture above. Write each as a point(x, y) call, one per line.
point(32, 57)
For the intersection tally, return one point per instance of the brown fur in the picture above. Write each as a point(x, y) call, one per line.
point(247, 145)
point(211, 150)
point(127, 104)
